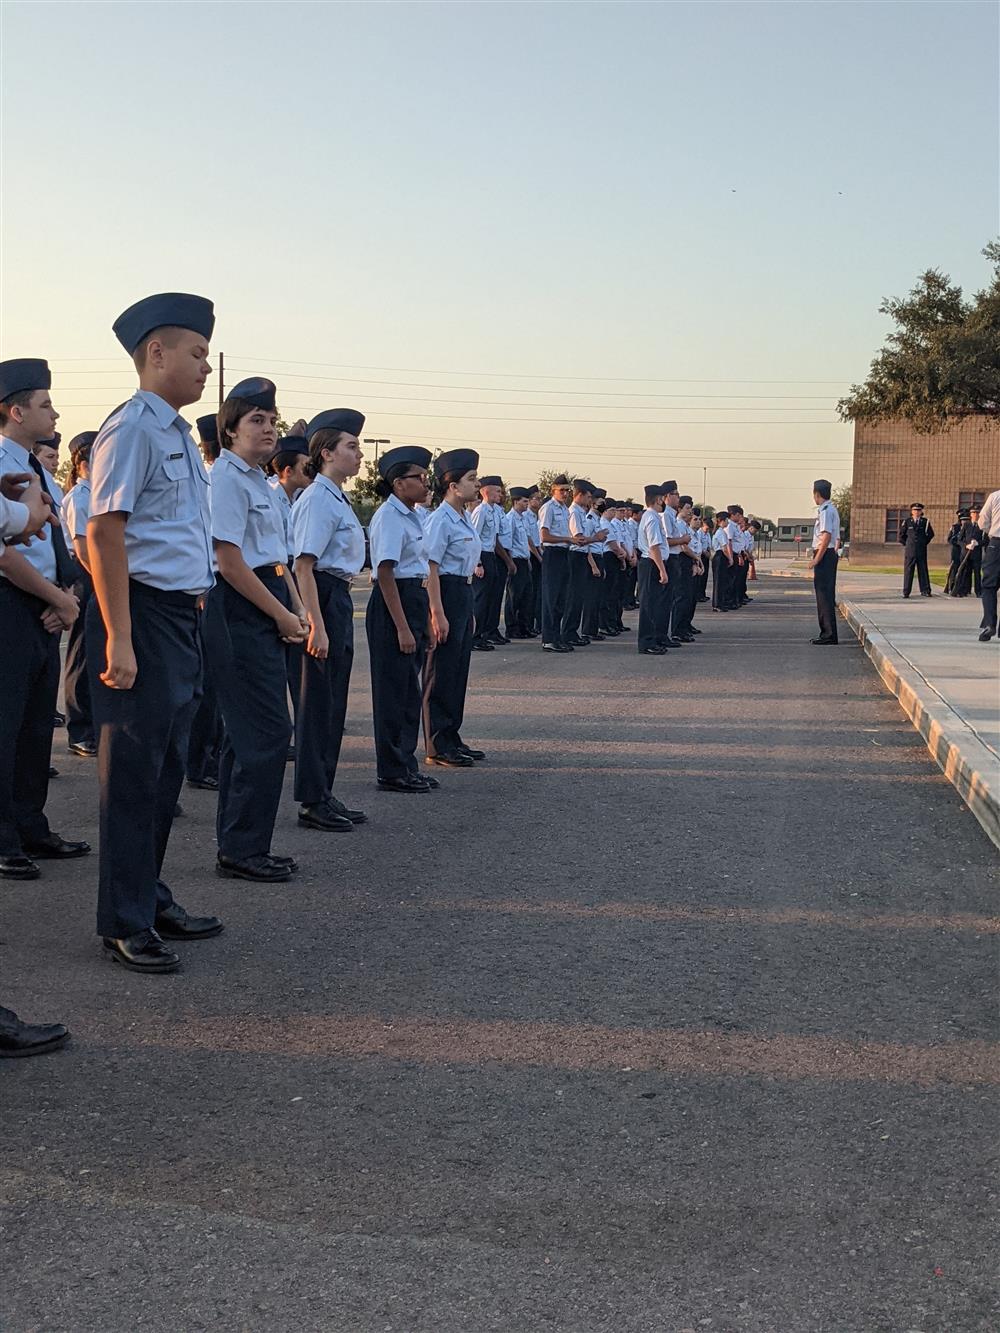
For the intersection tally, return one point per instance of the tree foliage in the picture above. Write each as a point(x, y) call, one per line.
point(941, 362)
point(548, 475)
point(842, 503)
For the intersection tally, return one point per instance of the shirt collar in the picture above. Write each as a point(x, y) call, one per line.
point(396, 503)
point(331, 486)
point(236, 461)
point(20, 453)
point(161, 409)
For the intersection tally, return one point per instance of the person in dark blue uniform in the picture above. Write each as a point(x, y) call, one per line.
point(329, 547)
point(205, 741)
point(453, 552)
point(76, 681)
point(250, 614)
point(150, 549)
point(396, 620)
point(36, 604)
point(915, 535)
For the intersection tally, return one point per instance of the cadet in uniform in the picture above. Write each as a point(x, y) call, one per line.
point(150, 548)
point(989, 525)
point(593, 597)
point(535, 545)
point(453, 550)
point(518, 610)
point(722, 561)
point(288, 478)
point(653, 576)
point(826, 535)
point(76, 685)
point(250, 614)
point(631, 600)
point(915, 535)
point(675, 539)
point(958, 538)
point(506, 568)
point(396, 620)
point(553, 524)
point(35, 606)
point(205, 741)
point(976, 554)
point(329, 546)
point(486, 520)
point(580, 568)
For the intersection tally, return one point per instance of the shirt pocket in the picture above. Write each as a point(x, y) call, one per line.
point(262, 526)
point(178, 489)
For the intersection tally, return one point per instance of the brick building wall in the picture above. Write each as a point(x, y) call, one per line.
point(894, 466)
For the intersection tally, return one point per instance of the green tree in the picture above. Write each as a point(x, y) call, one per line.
point(842, 501)
point(940, 363)
point(548, 475)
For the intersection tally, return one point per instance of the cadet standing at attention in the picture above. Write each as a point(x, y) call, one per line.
point(329, 546)
point(250, 614)
point(396, 620)
point(76, 684)
point(519, 608)
point(205, 741)
point(149, 541)
point(989, 525)
point(580, 570)
point(826, 535)
point(553, 523)
point(453, 550)
point(288, 478)
point(915, 535)
point(653, 578)
point(722, 561)
point(535, 546)
point(35, 606)
point(486, 520)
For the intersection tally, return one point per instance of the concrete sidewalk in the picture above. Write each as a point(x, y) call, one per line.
point(927, 652)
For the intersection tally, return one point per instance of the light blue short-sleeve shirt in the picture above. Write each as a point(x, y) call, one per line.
point(145, 464)
point(651, 533)
point(452, 542)
point(245, 512)
point(284, 509)
point(325, 526)
point(397, 534)
point(484, 520)
point(554, 516)
point(531, 523)
point(518, 548)
point(41, 554)
point(76, 510)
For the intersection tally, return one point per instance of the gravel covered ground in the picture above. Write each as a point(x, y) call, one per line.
point(679, 1013)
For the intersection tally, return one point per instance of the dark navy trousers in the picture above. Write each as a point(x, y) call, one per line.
point(322, 710)
point(484, 590)
point(446, 670)
point(142, 738)
point(205, 739)
point(652, 606)
point(576, 595)
point(247, 661)
point(76, 682)
point(397, 696)
point(555, 574)
point(29, 686)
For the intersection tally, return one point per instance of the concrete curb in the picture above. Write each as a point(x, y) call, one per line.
point(969, 765)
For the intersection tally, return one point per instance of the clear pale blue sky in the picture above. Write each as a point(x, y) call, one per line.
point(711, 192)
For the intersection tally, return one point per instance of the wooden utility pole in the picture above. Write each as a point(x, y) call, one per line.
point(222, 379)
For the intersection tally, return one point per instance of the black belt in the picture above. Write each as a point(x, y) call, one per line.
point(455, 578)
point(277, 571)
point(421, 582)
point(186, 599)
point(337, 578)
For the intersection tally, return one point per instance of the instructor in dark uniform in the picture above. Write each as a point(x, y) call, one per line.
point(915, 535)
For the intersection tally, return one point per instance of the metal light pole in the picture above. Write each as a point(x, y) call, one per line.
point(376, 443)
point(222, 380)
point(704, 486)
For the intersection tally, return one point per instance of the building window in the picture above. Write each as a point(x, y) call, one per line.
point(893, 522)
point(967, 499)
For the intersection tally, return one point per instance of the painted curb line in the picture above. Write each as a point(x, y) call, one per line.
point(969, 765)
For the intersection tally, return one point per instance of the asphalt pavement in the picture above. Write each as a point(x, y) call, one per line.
point(678, 1013)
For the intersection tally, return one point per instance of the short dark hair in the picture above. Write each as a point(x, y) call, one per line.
point(166, 333)
point(383, 486)
point(287, 458)
point(231, 413)
point(20, 399)
point(686, 500)
point(823, 488)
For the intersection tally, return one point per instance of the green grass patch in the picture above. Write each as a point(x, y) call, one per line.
point(939, 577)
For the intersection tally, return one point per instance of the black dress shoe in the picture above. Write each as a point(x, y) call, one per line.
point(695, 631)
point(450, 759)
point(556, 648)
point(54, 848)
point(18, 867)
point(59, 719)
point(426, 777)
point(260, 868)
point(624, 629)
point(204, 784)
point(823, 642)
point(85, 749)
point(498, 638)
point(53, 771)
point(653, 652)
point(482, 646)
point(687, 638)
point(985, 636)
point(144, 952)
point(338, 807)
point(288, 861)
point(473, 754)
point(600, 636)
point(19, 1039)
point(173, 923)
point(410, 785)
point(672, 642)
point(323, 816)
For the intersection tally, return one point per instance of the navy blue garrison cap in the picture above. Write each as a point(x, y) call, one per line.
point(208, 429)
point(53, 441)
point(653, 492)
point(257, 391)
point(582, 486)
point(669, 487)
point(337, 418)
point(600, 492)
point(82, 441)
point(491, 481)
point(532, 490)
point(22, 376)
point(406, 453)
point(176, 310)
point(292, 444)
point(518, 493)
point(457, 461)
